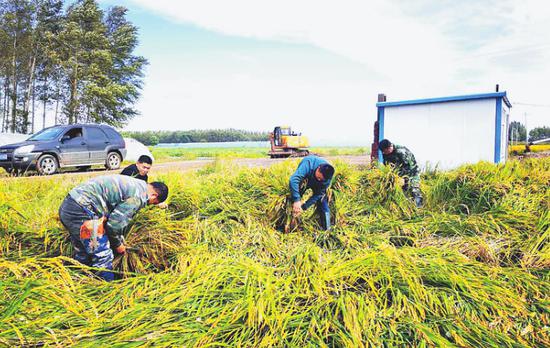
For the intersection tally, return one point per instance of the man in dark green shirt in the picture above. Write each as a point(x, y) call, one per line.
point(405, 164)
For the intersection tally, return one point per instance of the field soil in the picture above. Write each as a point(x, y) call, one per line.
point(534, 155)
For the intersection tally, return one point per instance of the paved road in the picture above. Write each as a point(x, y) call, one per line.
point(196, 164)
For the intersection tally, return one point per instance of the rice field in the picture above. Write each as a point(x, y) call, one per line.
point(470, 269)
point(163, 154)
point(520, 149)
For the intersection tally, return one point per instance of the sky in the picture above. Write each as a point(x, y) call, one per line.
point(318, 66)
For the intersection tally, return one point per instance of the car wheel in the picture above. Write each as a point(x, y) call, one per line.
point(47, 165)
point(113, 161)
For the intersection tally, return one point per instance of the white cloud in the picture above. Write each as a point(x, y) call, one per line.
point(418, 49)
point(374, 33)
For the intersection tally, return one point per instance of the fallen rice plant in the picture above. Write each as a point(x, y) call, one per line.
point(470, 269)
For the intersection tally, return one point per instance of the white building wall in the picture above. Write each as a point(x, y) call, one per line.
point(445, 135)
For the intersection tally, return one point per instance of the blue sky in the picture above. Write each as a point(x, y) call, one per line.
point(319, 65)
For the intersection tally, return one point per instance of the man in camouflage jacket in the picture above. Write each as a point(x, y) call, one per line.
point(404, 162)
point(97, 212)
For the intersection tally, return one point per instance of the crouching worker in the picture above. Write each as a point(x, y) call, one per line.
point(404, 162)
point(97, 212)
point(312, 173)
point(139, 170)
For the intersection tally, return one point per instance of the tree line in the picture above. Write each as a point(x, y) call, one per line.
point(517, 132)
point(73, 61)
point(152, 138)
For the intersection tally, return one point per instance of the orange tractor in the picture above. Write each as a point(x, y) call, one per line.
point(285, 143)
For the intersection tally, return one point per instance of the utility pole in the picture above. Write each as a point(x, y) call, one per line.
point(526, 129)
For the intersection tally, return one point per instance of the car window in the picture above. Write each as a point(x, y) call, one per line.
point(47, 134)
point(96, 134)
point(111, 133)
point(74, 133)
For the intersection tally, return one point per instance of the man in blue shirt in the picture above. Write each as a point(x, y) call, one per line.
point(312, 173)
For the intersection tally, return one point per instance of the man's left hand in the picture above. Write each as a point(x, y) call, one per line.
point(162, 205)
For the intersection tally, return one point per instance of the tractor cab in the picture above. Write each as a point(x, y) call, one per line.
point(286, 143)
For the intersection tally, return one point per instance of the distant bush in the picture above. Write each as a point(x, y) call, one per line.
point(152, 138)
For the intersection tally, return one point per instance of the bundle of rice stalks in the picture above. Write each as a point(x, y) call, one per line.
point(483, 187)
point(152, 241)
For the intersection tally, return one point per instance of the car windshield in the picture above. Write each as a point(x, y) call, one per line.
point(47, 134)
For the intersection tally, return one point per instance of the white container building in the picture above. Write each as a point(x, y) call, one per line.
point(449, 131)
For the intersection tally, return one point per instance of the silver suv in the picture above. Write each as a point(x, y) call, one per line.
point(76, 145)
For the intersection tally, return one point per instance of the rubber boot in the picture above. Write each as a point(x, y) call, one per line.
point(325, 217)
point(418, 201)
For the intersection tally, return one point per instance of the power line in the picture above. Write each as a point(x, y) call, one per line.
point(537, 105)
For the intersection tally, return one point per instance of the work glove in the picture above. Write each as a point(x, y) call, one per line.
point(121, 249)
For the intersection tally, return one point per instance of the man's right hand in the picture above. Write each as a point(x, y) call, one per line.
point(297, 208)
point(121, 249)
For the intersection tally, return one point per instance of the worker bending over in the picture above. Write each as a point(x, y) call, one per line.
point(404, 162)
point(312, 173)
point(97, 212)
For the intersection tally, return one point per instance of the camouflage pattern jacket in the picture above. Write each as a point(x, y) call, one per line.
point(403, 160)
point(117, 197)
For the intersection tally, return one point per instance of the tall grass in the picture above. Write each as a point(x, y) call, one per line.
point(470, 269)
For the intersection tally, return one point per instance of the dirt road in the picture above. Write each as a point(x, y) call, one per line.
point(250, 162)
point(196, 164)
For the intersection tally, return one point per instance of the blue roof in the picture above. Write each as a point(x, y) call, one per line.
point(448, 99)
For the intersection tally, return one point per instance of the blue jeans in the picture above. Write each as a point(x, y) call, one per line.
point(101, 256)
point(323, 211)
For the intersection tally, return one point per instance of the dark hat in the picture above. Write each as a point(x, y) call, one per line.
point(327, 170)
point(384, 144)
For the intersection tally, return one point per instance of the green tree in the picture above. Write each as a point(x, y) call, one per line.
point(83, 54)
point(16, 60)
point(126, 71)
point(79, 59)
point(539, 133)
point(50, 23)
point(517, 131)
point(196, 136)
